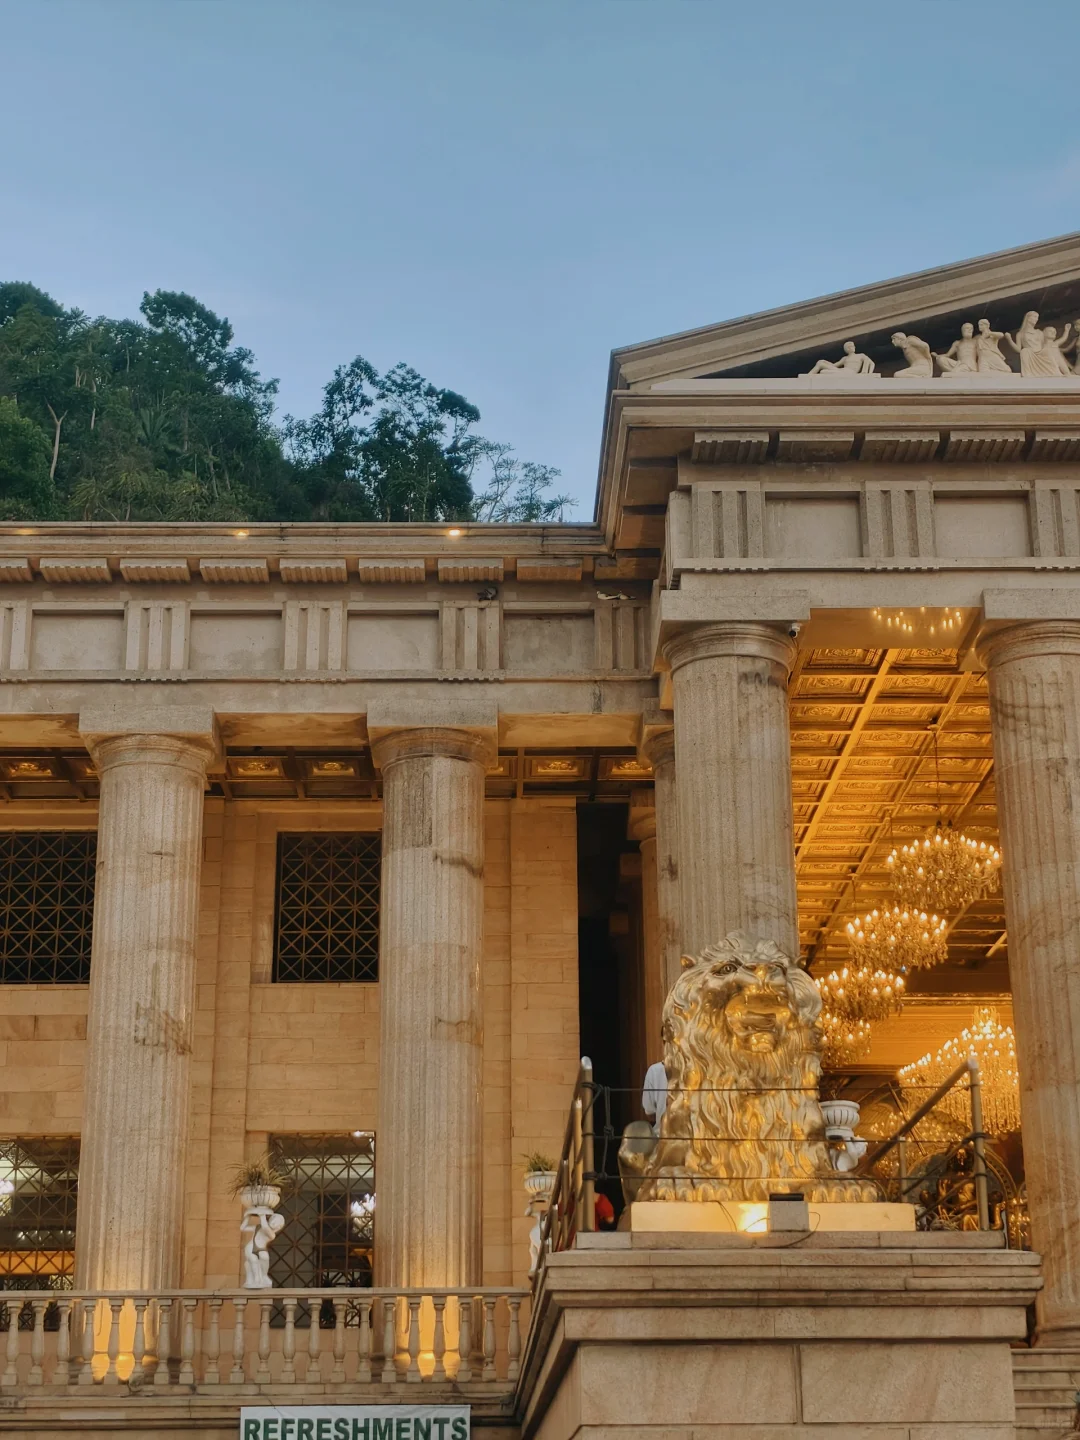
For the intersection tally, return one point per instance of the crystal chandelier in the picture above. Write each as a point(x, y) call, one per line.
point(994, 1046)
point(857, 992)
point(945, 870)
point(897, 938)
point(843, 1041)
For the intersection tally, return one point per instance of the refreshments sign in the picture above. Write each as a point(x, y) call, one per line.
point(354, 1422)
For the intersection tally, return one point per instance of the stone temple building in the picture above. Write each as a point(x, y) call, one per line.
point(341, 846)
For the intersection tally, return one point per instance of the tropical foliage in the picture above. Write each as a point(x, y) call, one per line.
point(166, 418)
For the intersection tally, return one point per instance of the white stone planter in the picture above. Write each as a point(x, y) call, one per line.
point(840, 1114)
point(253, 1196)
point(539, 1184)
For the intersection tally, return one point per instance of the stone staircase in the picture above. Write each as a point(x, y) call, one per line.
point(1046, 1382)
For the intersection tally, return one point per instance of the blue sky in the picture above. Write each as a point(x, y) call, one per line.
point(499, 192)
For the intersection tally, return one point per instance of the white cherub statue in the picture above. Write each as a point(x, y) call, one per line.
point(262, 1225)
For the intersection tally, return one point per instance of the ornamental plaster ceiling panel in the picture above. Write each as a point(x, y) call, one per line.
point(876, 782)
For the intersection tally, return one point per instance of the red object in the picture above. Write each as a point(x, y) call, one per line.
point(605, 1211)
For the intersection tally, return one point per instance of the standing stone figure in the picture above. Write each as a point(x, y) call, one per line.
point(962, 356)
point(991, 360)
point(852, 362)
point(1040, 350)
point(917, 353)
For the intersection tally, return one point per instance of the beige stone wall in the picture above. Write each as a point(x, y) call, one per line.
point(294, 1058)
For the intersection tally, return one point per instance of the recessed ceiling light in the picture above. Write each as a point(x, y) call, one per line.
point(241, 534)
point(453, 534)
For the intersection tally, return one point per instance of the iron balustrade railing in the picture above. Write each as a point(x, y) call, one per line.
point(219, 1340)
point(572, 1209)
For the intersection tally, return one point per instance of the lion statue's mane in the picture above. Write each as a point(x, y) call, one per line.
point(742, 1059)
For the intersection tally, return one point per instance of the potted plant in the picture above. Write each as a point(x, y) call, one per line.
point(259, 1182)
point(540, 1176)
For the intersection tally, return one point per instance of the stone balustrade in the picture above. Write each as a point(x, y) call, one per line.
point(320, 1341)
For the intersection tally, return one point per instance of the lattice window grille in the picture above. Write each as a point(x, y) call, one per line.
point(46, 906)
point(38, 1212)
point(328, 1202)
point(327, 923)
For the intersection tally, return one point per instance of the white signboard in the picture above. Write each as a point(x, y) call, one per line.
point(354, 1422)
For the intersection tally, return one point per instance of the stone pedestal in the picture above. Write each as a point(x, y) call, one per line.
point(1034, 676)
point(429, 1133)
point(142, 990)
point(736, 835)
point(866, 1337)
point(658, 747)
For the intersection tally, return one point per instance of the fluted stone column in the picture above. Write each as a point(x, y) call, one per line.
point(736, 836)
point(658, 747)
point(642, 828)
point(142, 994)
point(1034, 676)
point(429, 1135)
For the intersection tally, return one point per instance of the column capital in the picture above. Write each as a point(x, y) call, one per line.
point(752, 639)
point(999, 643)
point(451, 742)
point(657, 742)
point(641, 822)
point(182, 734)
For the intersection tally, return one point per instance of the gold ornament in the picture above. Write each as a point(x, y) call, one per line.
point(843, 1040)
point(994, 1046)
point(945, 870)
point(858, 993)
point(897, 938)
point(742, 1061)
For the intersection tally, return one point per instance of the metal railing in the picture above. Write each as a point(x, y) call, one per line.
point(976, 1137)
point(572, 1208)
point(217, 1339)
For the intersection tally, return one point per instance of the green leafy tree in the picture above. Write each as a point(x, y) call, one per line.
point(515, 492)
point(164, 417)
point(26, 491)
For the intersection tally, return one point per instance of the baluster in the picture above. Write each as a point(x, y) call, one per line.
point(337, 1375)
point(513, 1369)
point(212, 1374)
point(36, 1374)
point(62, 1373)
point(314, 1340)
point(262, 1372)
point(489, 1339)
point(86, 1373)
point(138, 1344)
point(412, 1374)
point(464, 1344)
point(116, 1304)
point(389, 1370)
point(363, 1374)
point(161, 1371)
point(288, 1343)
point(439, 1343)
point(236, 1374)
point(187, 1343)
point(11, 1352)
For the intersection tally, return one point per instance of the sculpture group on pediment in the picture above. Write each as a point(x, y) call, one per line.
point(1041, 350)
point(851, 362)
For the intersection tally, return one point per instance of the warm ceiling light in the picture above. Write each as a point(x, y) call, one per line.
point(860, 993)
point(944, 870)
point(994, 1046)
point(843, 1042)
point(453, 534)
point(241, 534)
point(895, 939)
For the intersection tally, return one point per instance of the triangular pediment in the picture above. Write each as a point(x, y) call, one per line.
point(785, 342)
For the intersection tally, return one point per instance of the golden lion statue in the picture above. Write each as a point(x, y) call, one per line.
point(741, 1055)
